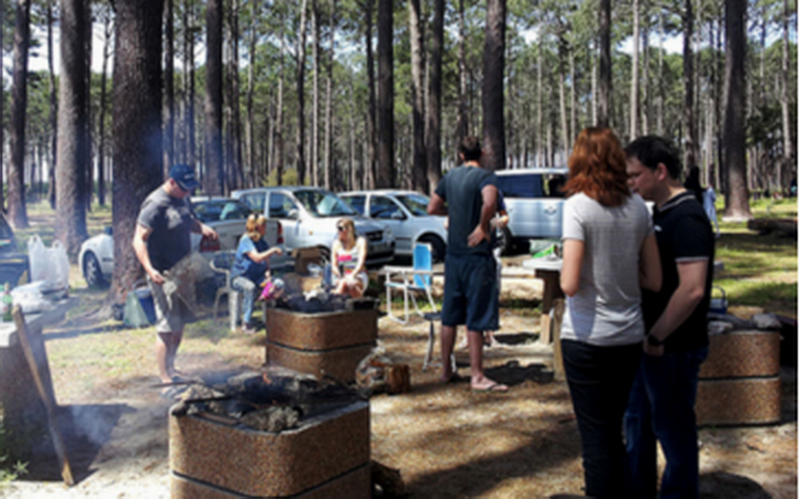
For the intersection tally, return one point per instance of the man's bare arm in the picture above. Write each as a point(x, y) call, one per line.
point(436, 205)
point(684, 300)
point(488, 210)
point(140, 249)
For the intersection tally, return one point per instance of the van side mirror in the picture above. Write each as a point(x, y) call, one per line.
point(293, 214)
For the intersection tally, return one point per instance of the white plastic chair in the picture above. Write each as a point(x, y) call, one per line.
point(410, 281)
point(222, 263)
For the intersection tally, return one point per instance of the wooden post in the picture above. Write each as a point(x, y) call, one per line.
point(558, 361)
point(33, 347)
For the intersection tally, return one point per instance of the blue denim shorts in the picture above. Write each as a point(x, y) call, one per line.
point(470, 292)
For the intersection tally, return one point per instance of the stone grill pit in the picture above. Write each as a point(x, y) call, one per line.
point(321, 334)
point(269, 434)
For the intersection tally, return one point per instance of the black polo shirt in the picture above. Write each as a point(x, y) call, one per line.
point(684, 235)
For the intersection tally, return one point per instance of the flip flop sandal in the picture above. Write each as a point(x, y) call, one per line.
point(494, 387)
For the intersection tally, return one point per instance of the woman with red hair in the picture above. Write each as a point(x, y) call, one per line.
point(609, 253)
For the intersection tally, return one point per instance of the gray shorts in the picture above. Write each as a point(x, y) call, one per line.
point(172, 313)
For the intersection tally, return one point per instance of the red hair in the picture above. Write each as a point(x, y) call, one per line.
point(597, 168)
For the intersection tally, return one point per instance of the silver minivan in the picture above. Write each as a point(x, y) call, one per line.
point(309, 216)
point(534, 202)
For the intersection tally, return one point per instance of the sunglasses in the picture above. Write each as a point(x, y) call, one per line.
point(340, 228)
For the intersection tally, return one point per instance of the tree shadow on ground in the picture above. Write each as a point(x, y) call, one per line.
point(74, 332)
point(722, 485)
point(513, 373)
point(515, 339)
point(84, 429)
point(559, 442)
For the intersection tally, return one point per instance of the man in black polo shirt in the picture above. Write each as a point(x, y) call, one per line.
point(662, 400)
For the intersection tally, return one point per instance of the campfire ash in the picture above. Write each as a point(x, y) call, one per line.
point(272, 401)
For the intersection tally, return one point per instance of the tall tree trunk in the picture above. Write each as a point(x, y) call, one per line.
point(604, 83)
point(660, 77)
point(279, 138)
point(420, 167)
point(73, 140)
point(386, 175)
point(329, 173)
point(646, 99)
point(372, 135)
point(356, 177)
point(494, 157)
point(540, 155)
point(462, 130)
point(573, 105)
point(17, 213)
point(315, 67)
point(433, 112)
point(138, 149)
point(101, 153)
point(634, 104)
point(188, 54)
point(788, 143)
point(562, 98)
point(87, 124)
point(736, 195)
point(233, 142)
point(51, 173)
point(214, 181)
point(301, 96)
point(689, 126)
point(169, 92)
point(250, 135)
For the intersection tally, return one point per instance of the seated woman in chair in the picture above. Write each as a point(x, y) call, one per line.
point(250, 270)
point(349, 258)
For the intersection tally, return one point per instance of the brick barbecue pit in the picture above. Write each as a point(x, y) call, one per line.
point(325, 335)
point(313, 441)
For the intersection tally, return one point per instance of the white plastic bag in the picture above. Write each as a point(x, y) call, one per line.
point(48, 264)
point(30, 298)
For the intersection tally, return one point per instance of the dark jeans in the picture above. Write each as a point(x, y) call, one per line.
point(599, 381)
point(661, 406)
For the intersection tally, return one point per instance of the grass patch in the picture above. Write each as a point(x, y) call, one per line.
point(760, 270)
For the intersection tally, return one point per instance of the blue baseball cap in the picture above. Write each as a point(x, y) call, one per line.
point(183, 174)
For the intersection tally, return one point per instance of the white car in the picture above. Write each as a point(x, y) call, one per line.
point(309, 216)
point(227, 216)
point(406, 214)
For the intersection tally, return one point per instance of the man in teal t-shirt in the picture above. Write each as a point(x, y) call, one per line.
point(468, 195)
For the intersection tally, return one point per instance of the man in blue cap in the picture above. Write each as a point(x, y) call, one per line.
point(162, 238)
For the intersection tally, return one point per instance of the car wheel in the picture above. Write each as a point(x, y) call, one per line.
point(92, 273)
point(438, 247)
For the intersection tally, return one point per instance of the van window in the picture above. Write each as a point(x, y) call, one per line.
point(531, 185)
point(524, 186)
